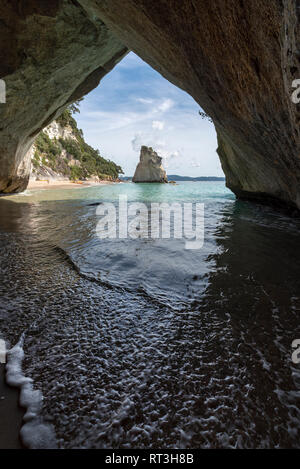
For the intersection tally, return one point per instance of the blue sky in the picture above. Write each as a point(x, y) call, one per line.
point(134, 106)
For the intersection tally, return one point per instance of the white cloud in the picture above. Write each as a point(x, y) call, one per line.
point(171, 158)
point(137, 142)
point(113, 120)
point(145, 100)
point(135, 106)
point(160, 146)
point(196, 164)
point(158, 125)
point(110, 120)
point(150, 140)
point(165, 105)
point(157, 105)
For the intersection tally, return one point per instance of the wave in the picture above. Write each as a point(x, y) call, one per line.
point(139, 290)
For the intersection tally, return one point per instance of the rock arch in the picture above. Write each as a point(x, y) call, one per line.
point(236, 58)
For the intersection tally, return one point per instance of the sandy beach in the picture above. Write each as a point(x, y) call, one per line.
point(11, 415)
point(56, 184)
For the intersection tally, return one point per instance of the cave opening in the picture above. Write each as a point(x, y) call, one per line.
point(135, 106)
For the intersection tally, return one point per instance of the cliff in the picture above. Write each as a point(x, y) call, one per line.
point(60, 152)
point(149, 168)
point(55, 52)
point(237, 59)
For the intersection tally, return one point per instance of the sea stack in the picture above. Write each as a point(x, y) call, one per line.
point(149, 168)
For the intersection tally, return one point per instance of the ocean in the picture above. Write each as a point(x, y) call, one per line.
point(142, 343)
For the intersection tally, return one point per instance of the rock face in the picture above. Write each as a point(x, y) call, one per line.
point(53, 53)
point(41, 166)
point(149, 169)
point(60, 152)
point(56, 131)
point(236, 58)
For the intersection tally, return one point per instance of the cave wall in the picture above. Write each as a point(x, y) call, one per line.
point(52, 53)
point(236, 58)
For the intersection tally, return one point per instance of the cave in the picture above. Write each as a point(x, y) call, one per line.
point(237, 59)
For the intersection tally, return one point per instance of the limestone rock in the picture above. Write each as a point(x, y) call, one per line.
point(149, 168)
point(237, 59)
point(56, 130)
point(53, 53)
point(40, 169)
point(61, 153)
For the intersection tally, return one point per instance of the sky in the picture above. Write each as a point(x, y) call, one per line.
point(134, 106)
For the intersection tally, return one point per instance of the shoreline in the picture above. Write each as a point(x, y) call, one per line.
point(56, 184)
point(11, 415)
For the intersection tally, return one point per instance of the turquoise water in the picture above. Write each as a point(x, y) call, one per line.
point(162, 268)
point(141, 343)
point(182, 191)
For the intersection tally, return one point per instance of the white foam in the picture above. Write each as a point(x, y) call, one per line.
point(25, 193)
point(35, 433)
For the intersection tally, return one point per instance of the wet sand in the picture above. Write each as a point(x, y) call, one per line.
point(11, 415)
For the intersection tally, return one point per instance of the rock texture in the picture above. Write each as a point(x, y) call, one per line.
point(56, 131)
point(52, 54)
point(149, 168)
point(41, 170)
point(236, 58)
point(60, 152)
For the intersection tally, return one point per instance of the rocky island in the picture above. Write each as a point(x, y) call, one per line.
point(149, 168)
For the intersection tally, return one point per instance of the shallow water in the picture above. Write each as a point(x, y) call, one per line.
point(141, 343)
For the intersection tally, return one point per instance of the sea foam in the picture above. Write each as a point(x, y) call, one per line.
point(35, 433)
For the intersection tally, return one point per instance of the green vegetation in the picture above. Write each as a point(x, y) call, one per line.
point(203, 115)
point(46, 149)
point(88, 163)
